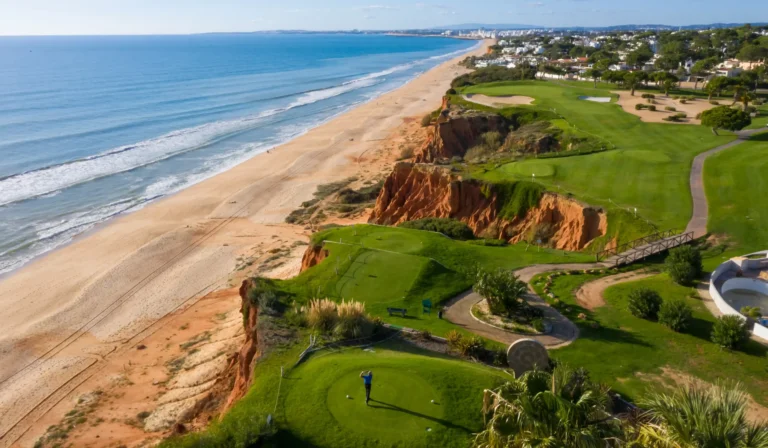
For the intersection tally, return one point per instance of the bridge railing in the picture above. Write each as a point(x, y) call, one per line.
point(648, 239)
point(653, 248)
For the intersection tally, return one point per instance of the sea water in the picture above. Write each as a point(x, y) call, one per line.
point(94, 127)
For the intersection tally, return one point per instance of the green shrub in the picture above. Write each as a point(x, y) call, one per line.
point(451, 228)
point(652, 108)
point(451, 91)
point(453, 338)
point(640, 106)
point(670, 108)
point(489, 242)
point(644, 303)
point(648, 95)
point(729, 332)
point(538, 325)
point(514, 199)
point(675, 314)
point(502, 289)
point(714, 102)
point(752, 311)
point(683, 101)
point(426, 120)
point(472, 346)
point(363, 195)
point(684, 264)
point(500, 358)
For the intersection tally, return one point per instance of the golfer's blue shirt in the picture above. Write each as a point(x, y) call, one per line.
point(368, 378)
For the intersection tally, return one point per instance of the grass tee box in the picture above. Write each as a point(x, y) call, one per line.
point(649, 170)
point(315, 408)
point(391, 267)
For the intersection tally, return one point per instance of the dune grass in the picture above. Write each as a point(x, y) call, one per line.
point(629, 354)
point(398, 268)
point(649, 170)
point(736, 188)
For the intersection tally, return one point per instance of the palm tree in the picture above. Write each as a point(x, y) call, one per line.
point(698, 417)
point(540, 409)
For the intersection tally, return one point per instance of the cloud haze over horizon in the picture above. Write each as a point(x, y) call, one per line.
point(79, 17)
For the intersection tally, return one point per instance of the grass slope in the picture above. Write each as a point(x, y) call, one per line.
point(406, 379)
point(309, 405)
point(736, 188)
point(649, 171)
point(627, 353)
point(398, 268)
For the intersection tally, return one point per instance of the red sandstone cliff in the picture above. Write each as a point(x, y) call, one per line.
point(422, 191)
point(457, 131)
point(312, 256)
point(244, 360)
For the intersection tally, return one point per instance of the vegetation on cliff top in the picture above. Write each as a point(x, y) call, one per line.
point(451, 228)
point(649, 170)
point(514, 199)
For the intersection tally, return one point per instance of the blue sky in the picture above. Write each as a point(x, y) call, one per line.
point(34, 17)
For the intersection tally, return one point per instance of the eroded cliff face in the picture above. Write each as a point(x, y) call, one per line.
point(457, 131)
point(244, 360)
point(312, 256)
point(414, 191)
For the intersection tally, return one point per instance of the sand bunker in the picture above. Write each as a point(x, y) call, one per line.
point(596, 99)
point(499, 101)
point(691, 107)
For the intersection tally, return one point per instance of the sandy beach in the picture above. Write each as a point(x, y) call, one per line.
point(66, 315)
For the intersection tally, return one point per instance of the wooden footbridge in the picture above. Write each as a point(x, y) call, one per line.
point(644, 247)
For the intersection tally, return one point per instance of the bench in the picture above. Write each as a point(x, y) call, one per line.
point(401, 311)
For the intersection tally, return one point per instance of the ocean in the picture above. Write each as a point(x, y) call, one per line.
point(94, 127)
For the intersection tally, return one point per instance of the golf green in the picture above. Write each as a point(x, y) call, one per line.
point(400, 400)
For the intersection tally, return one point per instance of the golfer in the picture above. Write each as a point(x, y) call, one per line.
point(367, 377)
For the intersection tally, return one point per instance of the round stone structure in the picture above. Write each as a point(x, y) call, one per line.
point(527, 354)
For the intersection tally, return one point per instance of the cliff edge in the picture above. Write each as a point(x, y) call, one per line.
point(415, 191)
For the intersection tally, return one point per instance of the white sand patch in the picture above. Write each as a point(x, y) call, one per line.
point(499, 101)
point(596, 99)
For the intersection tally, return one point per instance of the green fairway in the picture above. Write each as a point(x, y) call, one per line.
point(631, 354)
point(391, 267)
point(737, 188)
point(649, 171)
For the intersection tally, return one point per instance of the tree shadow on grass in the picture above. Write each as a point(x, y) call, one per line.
point(763, 137)
point(700, 328)
point(614, 335)
point(283, 438)
point(390, 406)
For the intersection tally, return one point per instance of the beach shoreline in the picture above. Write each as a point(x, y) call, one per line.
point(68, 311)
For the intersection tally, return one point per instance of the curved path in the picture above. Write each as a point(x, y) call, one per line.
point(591, 294)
